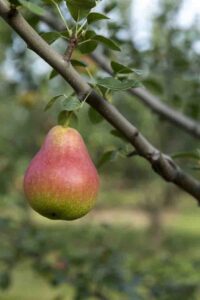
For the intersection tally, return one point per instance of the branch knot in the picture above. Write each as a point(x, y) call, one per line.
point(12, 12)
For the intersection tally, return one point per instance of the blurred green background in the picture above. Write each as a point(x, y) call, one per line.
point(142, 240)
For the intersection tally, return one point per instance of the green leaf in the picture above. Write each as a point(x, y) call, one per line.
point(118, 134)
point(63, 118)
point(87, 47)
point(34, 8)
point(109, 83)
point(94, 116)
point(94, 17)
point(78, 63)
point(102, 89)
point(109, 155)
point(50, 37)
point(73, 120)
point(14, 2)
point(82, 4)
point(87, 44)
point(119, 68)
point(65, 34)
point(107, 42)
point(72, 104)
point(78, 14)
point(52, 101)
point(79, 9)
point(110, 6)
point(53, 74)
point(192, 155)
point(115, 84)
point(66, 118)
point(89, 34)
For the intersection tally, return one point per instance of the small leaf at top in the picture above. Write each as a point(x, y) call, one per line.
point(94, 17)
point(78, 14)
point(82, 4)
point(79, 9)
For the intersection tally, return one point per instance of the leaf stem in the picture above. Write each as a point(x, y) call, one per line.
point(61, 15)
point(85, 99)
point(76, 27)
point(88, 40)
point(93, 79)
point(81, 27)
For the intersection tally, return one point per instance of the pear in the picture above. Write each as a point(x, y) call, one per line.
point(61, 181)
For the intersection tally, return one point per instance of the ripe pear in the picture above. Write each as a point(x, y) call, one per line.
point(61, 181)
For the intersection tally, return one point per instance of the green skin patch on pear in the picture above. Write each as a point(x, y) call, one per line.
point(61, 181)
point(57, 210)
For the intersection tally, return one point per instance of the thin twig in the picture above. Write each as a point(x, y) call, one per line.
point(70, 49)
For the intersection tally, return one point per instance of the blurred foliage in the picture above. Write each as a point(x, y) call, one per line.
point(102, 261)
point(93, 261)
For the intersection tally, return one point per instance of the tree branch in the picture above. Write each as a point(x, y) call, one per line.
point(169, 114)
point(161, 164)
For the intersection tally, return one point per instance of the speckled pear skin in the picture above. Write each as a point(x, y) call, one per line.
point(61, 181)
